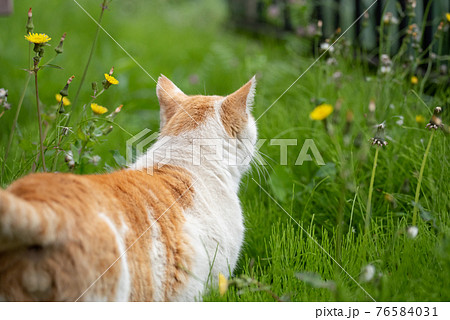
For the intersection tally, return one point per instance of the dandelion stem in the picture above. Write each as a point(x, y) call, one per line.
point(41, 140)
point(369, 199)
point(94, 43)
point(419, 183)
point(58, 136)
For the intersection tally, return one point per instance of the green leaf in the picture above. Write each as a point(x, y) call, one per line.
point(120, 160)
point(75, 154)
point(281, 183)
point(328, 170)
point(49, 65)
point(26, 145)
point(81, 135)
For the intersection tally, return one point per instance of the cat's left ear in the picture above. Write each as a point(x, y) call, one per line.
point(236, 108)
point(242, 100)
point(170, 98)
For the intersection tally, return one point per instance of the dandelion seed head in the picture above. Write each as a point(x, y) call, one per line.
point(412, 232)
point(368, 273)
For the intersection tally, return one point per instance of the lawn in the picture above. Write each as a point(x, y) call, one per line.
point(306, 238)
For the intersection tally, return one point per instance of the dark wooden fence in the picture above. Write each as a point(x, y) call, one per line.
point(278, 17)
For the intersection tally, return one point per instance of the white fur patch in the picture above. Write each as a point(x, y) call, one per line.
point(158, 260)
point(124, 283)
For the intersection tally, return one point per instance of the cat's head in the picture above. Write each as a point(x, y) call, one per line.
point(227, 118)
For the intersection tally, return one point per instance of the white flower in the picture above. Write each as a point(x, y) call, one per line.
point(325, 46)
point(399, 121)
point(3, 93)
point(337, 75)
point(95, 160)
point(331, 61)
point(385, 59)
point(367, 273)
point(385, 69)
point(412, 232)
point(69, 159)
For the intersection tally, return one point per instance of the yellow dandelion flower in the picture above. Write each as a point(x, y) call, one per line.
point(66, 102)
point(420, 119)
point(111, 79)
point(98, 109)
point(223, 284)
point(37, 38)
point(447, 15)
point(321, 112)
point(414, 80)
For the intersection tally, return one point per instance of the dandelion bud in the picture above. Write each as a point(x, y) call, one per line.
point(106, 84)
point(107, 130)
point(65, 91)
point(36, 60)
point(113, 114)
point(319, 28)
point(372, 106)
point(349, 116)
point(365, 21)
point(118, 108)
point(59, 49)
point(94, 86)
point(30, 25)
point(410, 9)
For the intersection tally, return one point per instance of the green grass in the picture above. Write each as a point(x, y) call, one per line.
point(329, 202)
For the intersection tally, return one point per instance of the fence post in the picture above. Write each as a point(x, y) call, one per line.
point(6, 7)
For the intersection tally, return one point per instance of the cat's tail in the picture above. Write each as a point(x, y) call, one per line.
point(24, 223)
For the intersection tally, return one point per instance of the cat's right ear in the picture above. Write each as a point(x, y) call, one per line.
point(170, 98)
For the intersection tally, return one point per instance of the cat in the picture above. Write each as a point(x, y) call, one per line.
point(160, 230)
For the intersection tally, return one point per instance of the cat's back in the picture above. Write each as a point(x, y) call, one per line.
point(128, 222)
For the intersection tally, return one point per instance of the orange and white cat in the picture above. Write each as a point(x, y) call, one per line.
point(157, 231)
